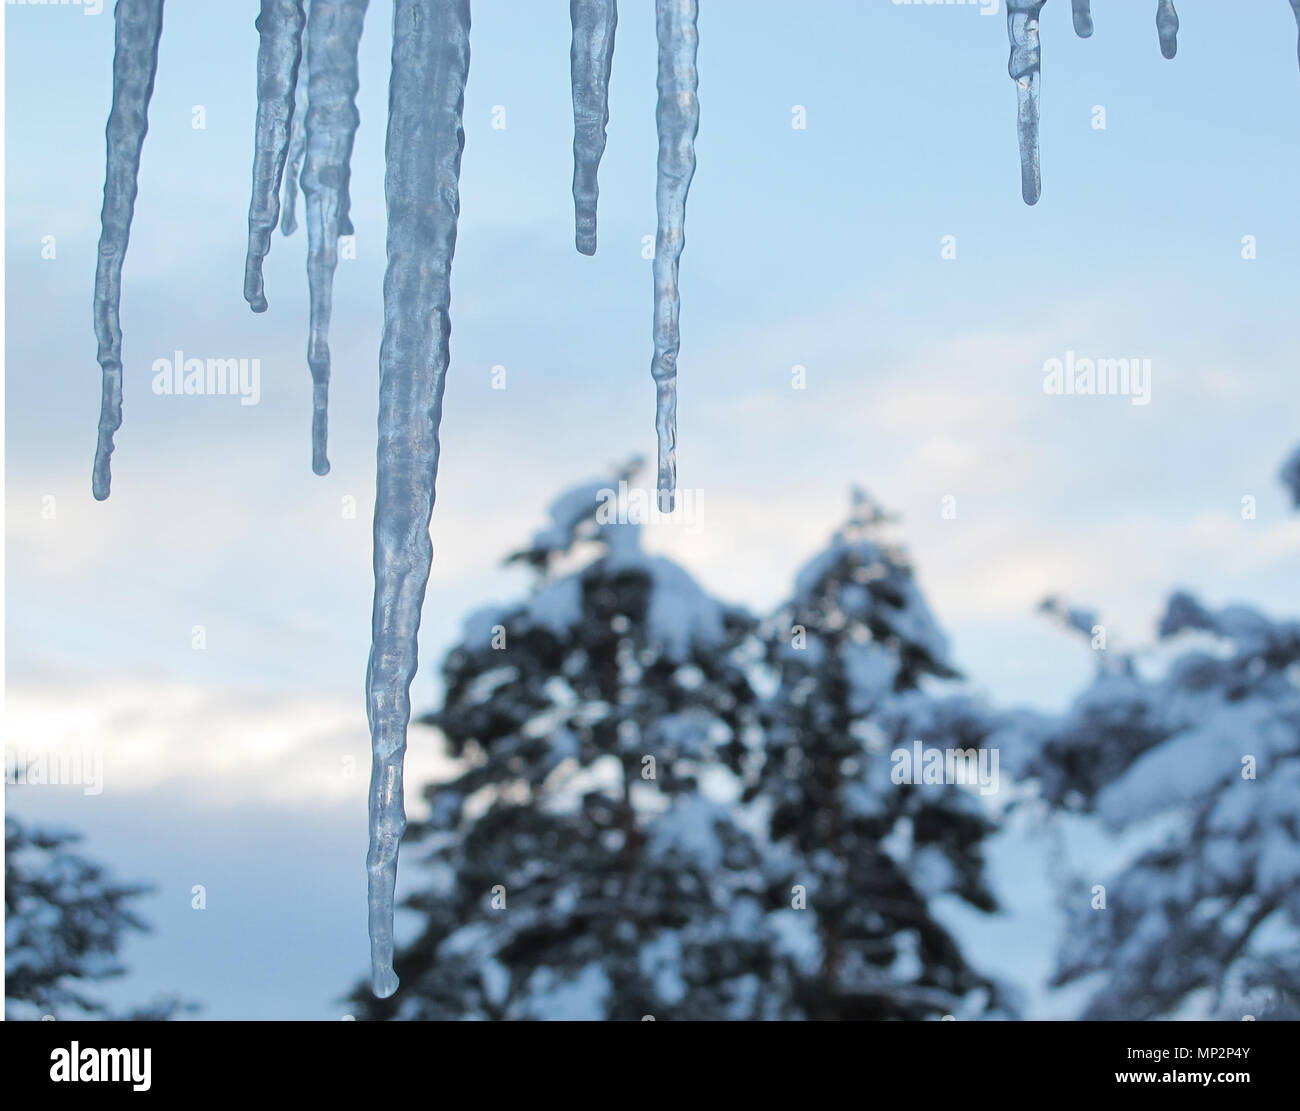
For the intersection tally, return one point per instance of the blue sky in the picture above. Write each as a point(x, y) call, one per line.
point(244, 763)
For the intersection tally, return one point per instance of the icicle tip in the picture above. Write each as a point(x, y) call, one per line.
point(1083, 18)
point(384, 982)
point(255, 294)
point(1167, 27)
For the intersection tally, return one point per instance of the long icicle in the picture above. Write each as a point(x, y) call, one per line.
point(426, 102)
point(293, 164)
point(591, 59)
point(677, 117)
point(1025, 67)
point(279, 52)
point(137, 28)
point(333, 37)
point(1083, 18)
point(1167, 27)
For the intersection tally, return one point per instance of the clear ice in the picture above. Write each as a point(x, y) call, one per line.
point(1167, 26)
point(1082, 18)
point(591, 60)
point(279, 52)
point(1025, 67)
point(426, 101)
point(137, 28)
point(333, 39)
point(677, 117)
point(293, 165)
point(312, 124)
point(1295, 7)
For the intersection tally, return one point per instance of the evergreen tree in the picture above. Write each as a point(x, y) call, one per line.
point(856, 857)
point(584, 860)
point(65, 919)
point(1205, 921)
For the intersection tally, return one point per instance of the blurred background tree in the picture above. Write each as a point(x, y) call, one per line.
point(1193, 745)
point(65, 919)
point(856, 858)
point(646, 775)
point(1201, 753)
point(586, 861)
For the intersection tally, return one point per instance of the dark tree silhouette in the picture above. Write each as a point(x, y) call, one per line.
point(65, 919)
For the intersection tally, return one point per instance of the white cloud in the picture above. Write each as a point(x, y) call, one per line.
point(214, 747)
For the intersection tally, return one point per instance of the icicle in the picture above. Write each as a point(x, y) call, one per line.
point(1295, 6)
point(137, 27)
point(293, 165)
point(1025, 67)
point(422, 185)
point(1082, 18)
point(333, 35)
point(1167, 25)
point(678, 119)
point(279, 51)
point(590, 61)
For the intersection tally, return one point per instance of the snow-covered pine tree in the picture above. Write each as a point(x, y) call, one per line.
point(584, 862)
point(1205, 922)
point(855, 858)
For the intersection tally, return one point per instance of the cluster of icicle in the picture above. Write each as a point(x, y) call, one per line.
point(315, 131)
point(430, 64)
point(1026, 68)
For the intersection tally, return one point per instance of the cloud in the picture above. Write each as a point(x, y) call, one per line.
point(214, 747)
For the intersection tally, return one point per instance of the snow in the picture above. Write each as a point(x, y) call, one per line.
point(1201, 762)
point(1185, 767)
point(580, 998)
point(931, 872)
point(557, 606)
point(1277, 866)
point(689, 828)
point(569, 512)
point(682, 617)
point(796, 936)
point(871, 671)
point(688, 735)
point(660, 960)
